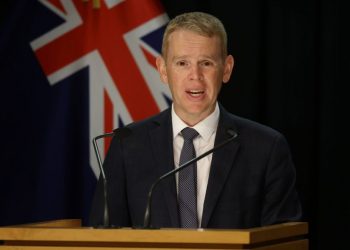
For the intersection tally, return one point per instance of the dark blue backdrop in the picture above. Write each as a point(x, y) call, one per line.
point(45, 172)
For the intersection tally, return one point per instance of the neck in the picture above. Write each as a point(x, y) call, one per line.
point(193, 119)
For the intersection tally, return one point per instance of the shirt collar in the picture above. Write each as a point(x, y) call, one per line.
point(205, 127)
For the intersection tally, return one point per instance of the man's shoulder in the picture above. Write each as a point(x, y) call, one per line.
point(249, 128)
point(156, 119)
point(139, 127)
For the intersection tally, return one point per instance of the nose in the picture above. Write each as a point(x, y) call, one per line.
point(196, 73)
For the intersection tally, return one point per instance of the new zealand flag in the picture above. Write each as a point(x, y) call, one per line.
point(70, 71)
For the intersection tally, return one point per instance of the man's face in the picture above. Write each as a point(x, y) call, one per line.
point(195, 70)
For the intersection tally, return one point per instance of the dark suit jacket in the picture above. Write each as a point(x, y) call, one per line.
point(251, 181)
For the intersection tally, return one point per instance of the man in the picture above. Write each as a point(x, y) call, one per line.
point(249, 182)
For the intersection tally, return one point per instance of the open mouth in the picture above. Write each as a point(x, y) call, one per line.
point(195, 93)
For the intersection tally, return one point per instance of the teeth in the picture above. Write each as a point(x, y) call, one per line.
point(195, 92)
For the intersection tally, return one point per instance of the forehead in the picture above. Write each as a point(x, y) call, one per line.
point(185, 41)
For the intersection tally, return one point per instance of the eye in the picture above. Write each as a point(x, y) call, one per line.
point(182, 63)
point(207, 63)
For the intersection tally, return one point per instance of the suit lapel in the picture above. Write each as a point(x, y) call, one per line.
point(221, 165)
point(162, 141)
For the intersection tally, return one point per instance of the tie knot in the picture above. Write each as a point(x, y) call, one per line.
point(189, 133)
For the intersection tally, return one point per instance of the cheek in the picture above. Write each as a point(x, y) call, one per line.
point(216, 89)
point(174, 87)
point(216, 83)
point(175, 80)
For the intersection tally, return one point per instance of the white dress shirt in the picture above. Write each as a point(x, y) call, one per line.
point(202, 143)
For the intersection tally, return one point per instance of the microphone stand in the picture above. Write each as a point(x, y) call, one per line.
point(106, 223)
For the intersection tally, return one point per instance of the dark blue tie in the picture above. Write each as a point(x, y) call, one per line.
point(187, 186)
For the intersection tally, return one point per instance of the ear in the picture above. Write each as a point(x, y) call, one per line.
point(228, 67)
point(162, 69)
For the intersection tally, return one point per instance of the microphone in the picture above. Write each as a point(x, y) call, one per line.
point(103, 175)
point(147, 216)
